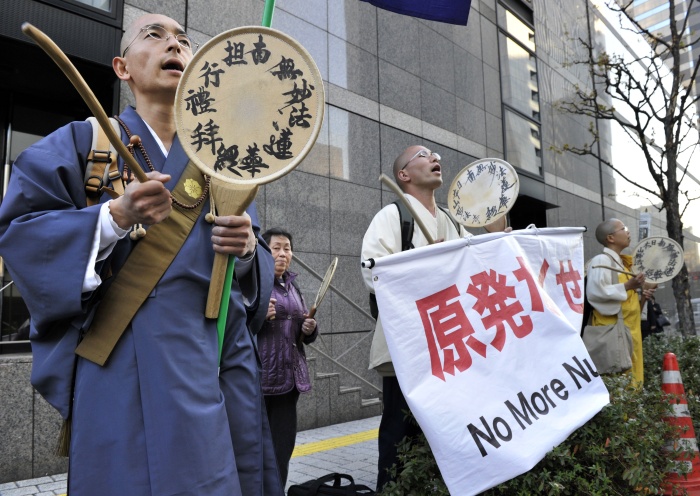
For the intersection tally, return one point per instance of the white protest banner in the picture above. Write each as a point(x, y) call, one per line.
point(484, 337)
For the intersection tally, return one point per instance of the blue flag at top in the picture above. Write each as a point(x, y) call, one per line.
point(450, 11)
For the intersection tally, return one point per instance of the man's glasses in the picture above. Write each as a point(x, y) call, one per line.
point(159, 33)
point(422, 153)
point(623, 228)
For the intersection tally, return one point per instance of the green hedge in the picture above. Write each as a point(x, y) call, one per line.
point(620, 451)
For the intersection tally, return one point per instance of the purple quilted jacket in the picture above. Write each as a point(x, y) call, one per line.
point(281, 349)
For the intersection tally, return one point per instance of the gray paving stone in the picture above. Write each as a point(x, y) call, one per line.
point(20, 491)
point(34, 482)
point(52, 486)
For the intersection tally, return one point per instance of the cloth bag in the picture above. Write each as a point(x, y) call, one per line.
point(610, 346)
point(321, 488)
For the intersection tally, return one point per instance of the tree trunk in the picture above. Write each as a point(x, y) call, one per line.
point(680, 284)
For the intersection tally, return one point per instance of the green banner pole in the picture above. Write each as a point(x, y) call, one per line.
point(226, 293)
point(225, 298)
point(267, 13)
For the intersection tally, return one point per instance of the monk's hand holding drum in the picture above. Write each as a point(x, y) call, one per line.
point(233, 235)
point(636, 282)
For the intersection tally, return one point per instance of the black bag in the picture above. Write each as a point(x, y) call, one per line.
point(661, 319)
point(320, 488)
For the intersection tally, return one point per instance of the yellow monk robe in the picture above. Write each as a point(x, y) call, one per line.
point(631, 313)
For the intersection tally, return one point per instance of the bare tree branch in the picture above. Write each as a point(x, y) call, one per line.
point(655, 104)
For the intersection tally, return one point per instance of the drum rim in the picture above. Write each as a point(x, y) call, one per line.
point(665, 238)
point(516, 190)
point(320, 107)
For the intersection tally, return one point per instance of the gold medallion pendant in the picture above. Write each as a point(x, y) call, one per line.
point(193, 188)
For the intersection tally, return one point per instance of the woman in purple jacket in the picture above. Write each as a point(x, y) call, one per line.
point(281, 346)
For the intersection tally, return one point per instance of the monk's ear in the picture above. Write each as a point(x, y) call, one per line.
point(120, 69)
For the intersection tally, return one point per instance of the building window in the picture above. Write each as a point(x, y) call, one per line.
point(516, 28)
point(519, 87)
point(105, 5)
point(523, 143)
point(520, 91)
point(105, 11)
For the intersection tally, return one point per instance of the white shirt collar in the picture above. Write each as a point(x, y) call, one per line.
point(155, 136)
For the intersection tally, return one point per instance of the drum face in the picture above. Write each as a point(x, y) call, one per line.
point(658, 257)
point(483, 192)
point(249, 106)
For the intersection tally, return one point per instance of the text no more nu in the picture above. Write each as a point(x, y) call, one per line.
point(532, 407)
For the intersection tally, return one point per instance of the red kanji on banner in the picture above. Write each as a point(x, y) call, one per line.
point(448, 329)
point(499, 313)
point(543, 271)
point(445, 321)
point(564, 278)
point(522, 274)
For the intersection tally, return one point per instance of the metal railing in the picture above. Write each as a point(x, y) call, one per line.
point(8, 342)
point(356, 307)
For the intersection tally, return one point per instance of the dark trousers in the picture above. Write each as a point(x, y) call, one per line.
point(393, 427)
point(282, 416)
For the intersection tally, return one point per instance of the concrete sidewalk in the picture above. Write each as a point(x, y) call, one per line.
point(349, 448)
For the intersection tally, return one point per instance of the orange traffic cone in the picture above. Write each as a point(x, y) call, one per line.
point(672, 384)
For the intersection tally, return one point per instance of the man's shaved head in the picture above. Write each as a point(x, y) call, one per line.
point(401, 160)
point(132, 31)
point(604, 229)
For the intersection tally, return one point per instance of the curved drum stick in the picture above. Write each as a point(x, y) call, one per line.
point(615, 270)
point(325, 284)
point(86, 93)
point(392, 185)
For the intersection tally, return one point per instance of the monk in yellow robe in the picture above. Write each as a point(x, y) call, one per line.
point(610, 291)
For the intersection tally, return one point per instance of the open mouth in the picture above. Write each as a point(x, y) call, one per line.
point(436, 168)
point(173, 65)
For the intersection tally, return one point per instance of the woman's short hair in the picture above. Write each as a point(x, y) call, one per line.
point(277, 231)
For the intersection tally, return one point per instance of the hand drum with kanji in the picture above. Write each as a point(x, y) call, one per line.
point(483, 192)
point(248, 109)
point(658, 257)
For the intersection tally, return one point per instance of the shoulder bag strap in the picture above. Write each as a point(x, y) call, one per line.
point(406, 223)
point(587, 307)
point(615, 261)
point(454, 221)
point(102, 166)
point(619, 314)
